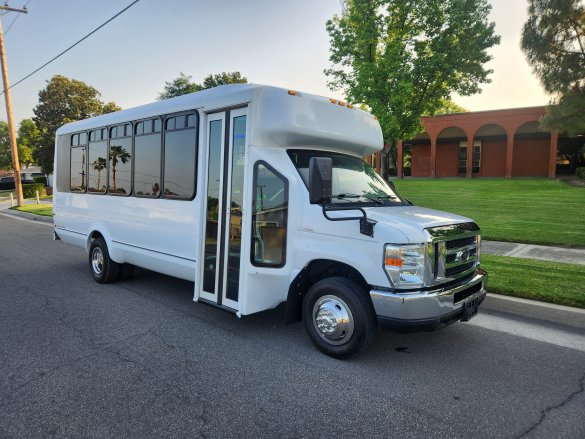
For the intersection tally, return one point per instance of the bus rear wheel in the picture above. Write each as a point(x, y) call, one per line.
point(338, 316)
point(103, 268)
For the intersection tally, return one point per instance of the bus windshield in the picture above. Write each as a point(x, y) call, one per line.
point(353, 180)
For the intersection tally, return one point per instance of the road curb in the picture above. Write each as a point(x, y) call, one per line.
point(559, 314)
point(28, 216)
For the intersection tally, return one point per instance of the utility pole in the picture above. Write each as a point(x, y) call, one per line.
point(11, 129)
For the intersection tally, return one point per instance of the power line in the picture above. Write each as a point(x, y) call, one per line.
point(14, 20)
point(75, 44)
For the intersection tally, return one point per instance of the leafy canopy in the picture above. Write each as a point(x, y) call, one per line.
point(405, 58)
point(553, 40)
point(63, 100)
point(28, 137)
point(182, 84)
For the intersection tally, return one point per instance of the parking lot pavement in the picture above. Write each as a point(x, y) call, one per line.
point(140, 359)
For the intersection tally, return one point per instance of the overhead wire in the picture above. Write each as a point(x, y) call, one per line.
point(14, 19)
point(73, 45)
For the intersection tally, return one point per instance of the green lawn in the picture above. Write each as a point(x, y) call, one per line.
point(554, 282)
point(539, 211)
point(37, 209)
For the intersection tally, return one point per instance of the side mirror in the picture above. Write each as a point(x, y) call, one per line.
point(320, 170)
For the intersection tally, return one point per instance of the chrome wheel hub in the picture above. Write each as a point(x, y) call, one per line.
point(97, 260)
point(333, 320)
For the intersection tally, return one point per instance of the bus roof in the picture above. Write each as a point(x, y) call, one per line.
point(278, 117)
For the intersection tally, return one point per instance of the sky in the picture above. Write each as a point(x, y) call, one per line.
point(276, 42)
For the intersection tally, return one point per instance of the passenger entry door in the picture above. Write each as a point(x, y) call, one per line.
point(219, 272)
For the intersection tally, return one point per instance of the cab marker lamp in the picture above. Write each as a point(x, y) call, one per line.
point(342, 104)
point(333, 101)
point(405, 265)
point(292, 92)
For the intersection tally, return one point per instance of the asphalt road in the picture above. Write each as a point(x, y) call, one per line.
point(140, 359)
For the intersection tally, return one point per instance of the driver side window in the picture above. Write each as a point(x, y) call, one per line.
point(269, 217)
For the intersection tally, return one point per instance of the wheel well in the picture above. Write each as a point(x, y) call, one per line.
point(315, 271)
point(93, 236)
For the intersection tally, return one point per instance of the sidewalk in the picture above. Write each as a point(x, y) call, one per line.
point(5, 210)
point(531, 251)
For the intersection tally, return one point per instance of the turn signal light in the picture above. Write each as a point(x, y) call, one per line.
point(393, 262)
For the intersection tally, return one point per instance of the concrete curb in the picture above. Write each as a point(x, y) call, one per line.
point(28, 216)
point(548, 312)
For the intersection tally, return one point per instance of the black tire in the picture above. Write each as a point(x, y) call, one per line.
point(347, 305)
point(103, 268)
point(126, 271)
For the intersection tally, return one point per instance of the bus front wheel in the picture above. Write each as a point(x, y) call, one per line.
point(339, 317)
point(103, 268)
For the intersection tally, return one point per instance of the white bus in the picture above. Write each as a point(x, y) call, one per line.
point(259, 195)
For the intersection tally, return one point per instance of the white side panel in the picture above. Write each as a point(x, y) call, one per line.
point(153, 233)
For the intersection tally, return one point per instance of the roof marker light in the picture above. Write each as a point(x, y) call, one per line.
point(333, 101)
point(292, 92)
point(341, 103)
point(349, 106)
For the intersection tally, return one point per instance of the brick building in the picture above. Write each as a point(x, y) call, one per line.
point(506, 143)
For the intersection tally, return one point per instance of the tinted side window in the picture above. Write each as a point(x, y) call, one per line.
point(269, 217)
point(147, 162)
point(180, 159)
point(78, 176)
point(120, 160)
point(98, 163)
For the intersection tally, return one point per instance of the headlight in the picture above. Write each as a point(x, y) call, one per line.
point(405, 264)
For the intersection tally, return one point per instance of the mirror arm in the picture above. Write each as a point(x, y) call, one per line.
point(366, 225)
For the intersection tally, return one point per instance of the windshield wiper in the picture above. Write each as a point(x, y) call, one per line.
point(386, 197)
point(342, 196)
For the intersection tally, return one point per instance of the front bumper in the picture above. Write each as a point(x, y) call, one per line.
point(427, 310)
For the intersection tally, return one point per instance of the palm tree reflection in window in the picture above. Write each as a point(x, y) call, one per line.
point(99, 165)
point(118, 153)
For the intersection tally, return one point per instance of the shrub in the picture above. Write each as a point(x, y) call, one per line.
point(40, 179)
point(29, 190)
point(580, 173)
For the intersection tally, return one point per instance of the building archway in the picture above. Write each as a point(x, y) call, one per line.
point(532, 149)
point(449, 153)
point(419, 147)
point(489, 151)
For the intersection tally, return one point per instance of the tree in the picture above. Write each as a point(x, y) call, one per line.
point(64, 100)
point(29, 137)
point(5, 152)
point(449, 107)
point(26, 137)
point(553, 40)
point(404, 58)
point(223, 78)
point(183, 85)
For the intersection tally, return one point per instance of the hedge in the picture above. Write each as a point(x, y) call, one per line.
point(29, 190)
point(40, 179)
point(580, 173)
